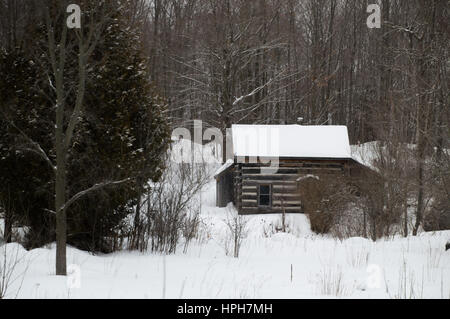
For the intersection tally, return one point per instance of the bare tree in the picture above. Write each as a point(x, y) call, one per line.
point(229, 77)
point(61, 48)
point(13, 267)
point(66, 117)
point(171, 208)
point(237, 228)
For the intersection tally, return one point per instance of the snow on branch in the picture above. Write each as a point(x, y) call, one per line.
point(252, 93)
point(92, 189)
point(36, 148)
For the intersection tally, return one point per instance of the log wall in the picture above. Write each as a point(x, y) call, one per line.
point(284, 183)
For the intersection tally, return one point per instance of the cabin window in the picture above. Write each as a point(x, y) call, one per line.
point(265, 195)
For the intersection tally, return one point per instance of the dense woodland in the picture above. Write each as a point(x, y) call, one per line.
point(274, 61)
point(80, 108)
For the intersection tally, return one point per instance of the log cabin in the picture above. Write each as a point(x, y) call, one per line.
point(270, 162)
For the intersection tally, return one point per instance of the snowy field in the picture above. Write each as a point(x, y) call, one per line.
point(296, 264)
point(271, 265)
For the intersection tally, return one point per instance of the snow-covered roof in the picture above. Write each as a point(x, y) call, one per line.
point(224, 167)
point(291, 141)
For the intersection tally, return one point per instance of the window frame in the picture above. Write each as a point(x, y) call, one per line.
point(270, 195)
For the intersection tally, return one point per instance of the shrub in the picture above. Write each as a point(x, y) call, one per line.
point(325, 198)
point(171, 209)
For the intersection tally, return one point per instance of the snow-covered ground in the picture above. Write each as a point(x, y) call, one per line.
point(298, 264)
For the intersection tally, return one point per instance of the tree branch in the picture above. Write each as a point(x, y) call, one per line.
point(92, 189)
point(37, 149)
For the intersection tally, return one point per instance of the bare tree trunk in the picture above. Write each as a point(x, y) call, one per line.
point(365, 223)
point(61, 226)
point(60, 185)
point(425, 42)
point(8, 226)
point(420, 198)
point(6, 203)
point(137, 222)
point(60, 173)
point(405, 211)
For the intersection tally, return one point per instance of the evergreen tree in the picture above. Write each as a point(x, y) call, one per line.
point(24, 175)
point(122, 133)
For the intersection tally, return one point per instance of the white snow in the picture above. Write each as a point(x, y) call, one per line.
point(308, 177)
point(291, 141)
point(186, 151)
point(365, 154)
point(224, 167)
point(272, 264)
point(322, 267)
